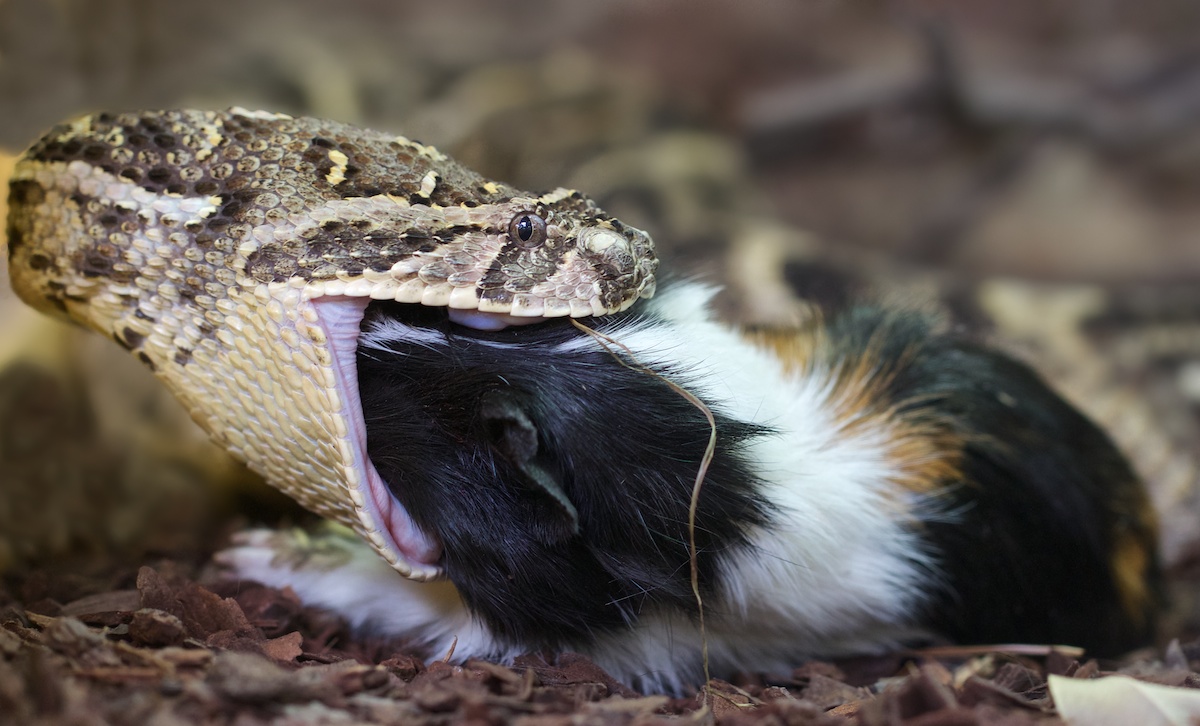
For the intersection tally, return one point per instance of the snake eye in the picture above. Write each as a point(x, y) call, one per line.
point(527, 229)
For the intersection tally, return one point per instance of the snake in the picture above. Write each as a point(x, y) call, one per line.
point(235, 252)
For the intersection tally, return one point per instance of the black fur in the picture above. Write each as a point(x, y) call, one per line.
point(558, 484)
point(1027, 544)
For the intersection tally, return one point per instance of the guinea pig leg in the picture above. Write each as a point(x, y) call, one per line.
point(333, 569)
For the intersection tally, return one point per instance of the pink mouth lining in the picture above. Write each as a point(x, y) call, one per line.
point(489, 321)
point(340, 318)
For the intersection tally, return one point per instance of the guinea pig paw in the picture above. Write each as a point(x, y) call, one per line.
point(277, 557)
point(253, 556)
point(332, 568)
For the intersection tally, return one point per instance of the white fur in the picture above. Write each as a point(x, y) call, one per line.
point(379, 333)
point(383, 334)
point(365, 590)
point(837, 571)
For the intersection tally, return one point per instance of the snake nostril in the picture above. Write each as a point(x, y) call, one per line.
point(604, 242)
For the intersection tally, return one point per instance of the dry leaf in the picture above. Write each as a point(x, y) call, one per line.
point(1120, 701)
point(285, 648)
point(103, 602)
point(826, 693)
point(202, 612)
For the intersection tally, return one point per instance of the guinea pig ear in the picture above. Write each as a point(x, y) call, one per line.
point(515, 437)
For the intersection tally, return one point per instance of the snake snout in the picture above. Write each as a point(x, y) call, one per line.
point(625, 260)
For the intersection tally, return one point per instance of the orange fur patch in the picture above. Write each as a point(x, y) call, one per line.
point(925, 452)
point(1132, 558)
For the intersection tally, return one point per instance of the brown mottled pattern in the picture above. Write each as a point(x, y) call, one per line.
point(263, 171)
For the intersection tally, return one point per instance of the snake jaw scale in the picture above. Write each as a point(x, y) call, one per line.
point(236, 252)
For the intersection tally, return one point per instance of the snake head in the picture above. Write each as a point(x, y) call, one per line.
point(235, 252)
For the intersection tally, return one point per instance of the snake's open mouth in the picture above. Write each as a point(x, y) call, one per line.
point(414, 553)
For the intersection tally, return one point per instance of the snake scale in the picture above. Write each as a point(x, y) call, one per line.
point(235, 252)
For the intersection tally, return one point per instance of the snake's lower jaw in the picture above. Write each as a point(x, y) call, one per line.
point(357, 496)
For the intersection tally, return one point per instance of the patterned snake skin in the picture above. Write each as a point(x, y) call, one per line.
point(235, 253)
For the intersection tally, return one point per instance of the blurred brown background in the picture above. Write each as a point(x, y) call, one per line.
point(1032, 166)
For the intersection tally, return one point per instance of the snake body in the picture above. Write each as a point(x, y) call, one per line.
point(235, 253)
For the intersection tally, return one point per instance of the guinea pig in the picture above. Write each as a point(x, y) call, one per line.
point(877, 482)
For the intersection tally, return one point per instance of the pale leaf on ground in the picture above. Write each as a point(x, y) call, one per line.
point(1120, 701)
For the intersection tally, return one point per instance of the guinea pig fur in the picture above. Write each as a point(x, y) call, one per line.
point(877, 483)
